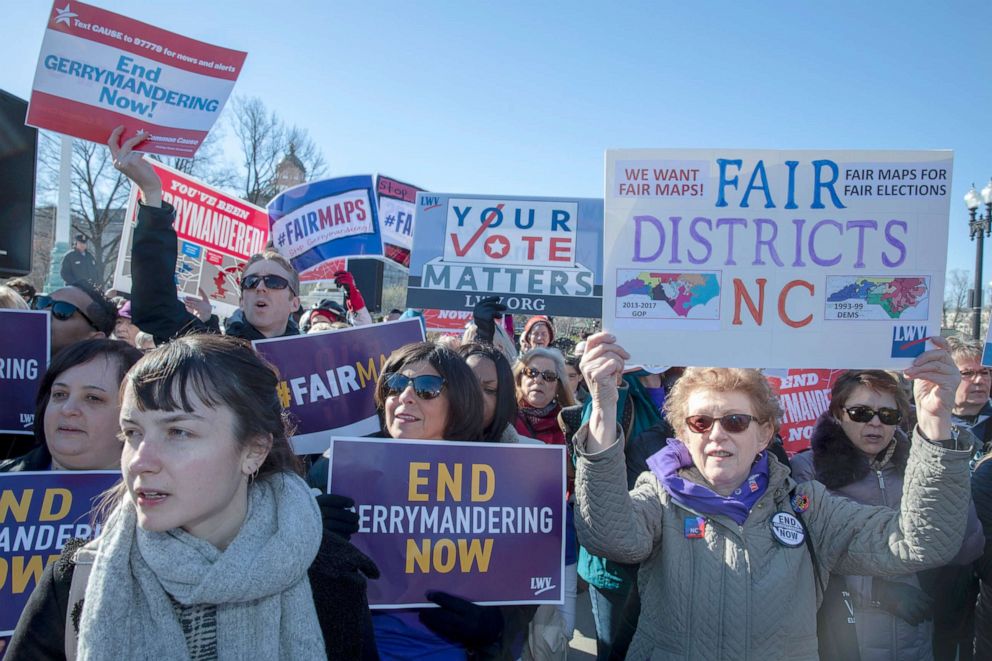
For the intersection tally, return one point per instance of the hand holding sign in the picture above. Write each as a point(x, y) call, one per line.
point(461, 621)
point(936, 380)
point(133, 165)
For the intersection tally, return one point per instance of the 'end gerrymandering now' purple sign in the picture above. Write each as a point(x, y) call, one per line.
point(327, 380)
point(23, 361)
point(482, 521)
point(39, 513)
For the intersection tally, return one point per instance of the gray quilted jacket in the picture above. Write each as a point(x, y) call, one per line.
point(737, 593)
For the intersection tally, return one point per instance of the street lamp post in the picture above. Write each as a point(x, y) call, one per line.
point(981, 227)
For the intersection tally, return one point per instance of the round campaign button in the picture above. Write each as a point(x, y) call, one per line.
point(787, 529)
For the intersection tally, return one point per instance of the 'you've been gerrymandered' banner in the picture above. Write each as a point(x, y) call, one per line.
point(749, 258)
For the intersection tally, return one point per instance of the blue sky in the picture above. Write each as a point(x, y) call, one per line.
point(522, 98)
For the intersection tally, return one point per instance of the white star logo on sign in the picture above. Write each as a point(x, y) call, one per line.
point(65, 15)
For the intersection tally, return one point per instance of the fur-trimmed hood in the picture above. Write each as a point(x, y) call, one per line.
point(838, 462)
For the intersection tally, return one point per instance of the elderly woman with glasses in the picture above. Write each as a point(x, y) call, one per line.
point(732, 550)
point(542, 392)
point(859, 451)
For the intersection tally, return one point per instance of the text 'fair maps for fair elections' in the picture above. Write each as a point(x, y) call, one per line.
point(747, 258)
point(539, 254)
point(98, 70)
point(322, 221)
point(217, 234)
point(397, 206)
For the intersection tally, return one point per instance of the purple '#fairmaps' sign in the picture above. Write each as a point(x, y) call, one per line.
point(327, 380)
point(482, 521)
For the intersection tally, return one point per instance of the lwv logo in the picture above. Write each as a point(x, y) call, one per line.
point(541, 584)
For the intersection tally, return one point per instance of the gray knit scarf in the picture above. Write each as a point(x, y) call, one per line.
point(259, 583)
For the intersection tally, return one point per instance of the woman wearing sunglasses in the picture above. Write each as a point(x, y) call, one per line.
point(542, 392)
point(426, 391)
point(859, 451)
point(726, 539)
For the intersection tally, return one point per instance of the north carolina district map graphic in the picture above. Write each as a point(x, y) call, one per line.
point(852, 297)
point(668, 295)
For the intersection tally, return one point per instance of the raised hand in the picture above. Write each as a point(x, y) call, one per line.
point(935, 381)
point(200, 306)
point(133, 165)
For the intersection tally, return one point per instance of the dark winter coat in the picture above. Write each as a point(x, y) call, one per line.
point(981, 492)
point(80, 267)
point(834, 461)
point(337, 580)
point(39, 459)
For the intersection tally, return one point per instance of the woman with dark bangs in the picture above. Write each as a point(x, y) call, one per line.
point(213, 546)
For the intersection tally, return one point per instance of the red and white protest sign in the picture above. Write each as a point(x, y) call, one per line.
point(217, 234)
point(804, 395)
point(397, 203)
point(98, 70)
point(446, 321)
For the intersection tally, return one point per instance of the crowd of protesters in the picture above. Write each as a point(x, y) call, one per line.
point(693, 531)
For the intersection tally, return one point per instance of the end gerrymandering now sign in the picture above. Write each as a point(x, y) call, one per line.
point(751, 258)
point(482, 521)
point(39, 513)
point(217, 234)
point(23, 361)
point(323, 221)
point(539, 254)
point(98, 70)
point(327, 380)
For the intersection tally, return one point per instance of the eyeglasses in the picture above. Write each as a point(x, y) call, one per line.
point(971, 374)
point(271, 282)
point(549, 376)
point(885, 415)
point(61, 310)
point(426, 386)
point(733, 423)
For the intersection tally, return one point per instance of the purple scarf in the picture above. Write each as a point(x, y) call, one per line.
point(666, 464)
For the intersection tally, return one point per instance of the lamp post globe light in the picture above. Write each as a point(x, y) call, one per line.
point(980, 227)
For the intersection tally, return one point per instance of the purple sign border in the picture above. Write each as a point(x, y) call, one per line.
point(472, 444)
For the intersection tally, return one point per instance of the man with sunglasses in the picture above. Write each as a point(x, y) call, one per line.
point(269, 284)
point(80, 312)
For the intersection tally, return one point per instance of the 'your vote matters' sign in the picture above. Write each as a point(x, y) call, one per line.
point(539, 254)
point(483, 521)
point(748, 258)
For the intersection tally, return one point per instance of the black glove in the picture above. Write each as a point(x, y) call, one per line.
point(337, 517)
point(483, 314)
point(902, 600)
point(463, 622)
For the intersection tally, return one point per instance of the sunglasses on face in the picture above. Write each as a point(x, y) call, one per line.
point(733, 423)
point(271, 282)
point(61, 310)
point(885, 415)
point(426, 386)
point(549, 376)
